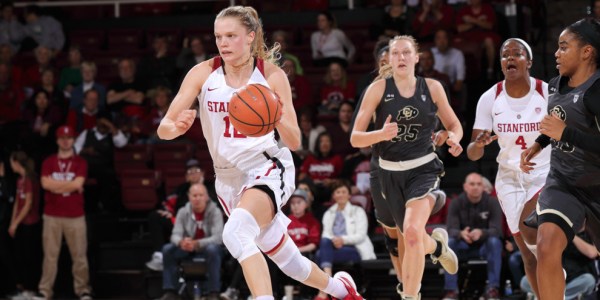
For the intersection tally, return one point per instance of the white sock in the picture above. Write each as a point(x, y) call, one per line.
point(336, 288)
point(267, 297)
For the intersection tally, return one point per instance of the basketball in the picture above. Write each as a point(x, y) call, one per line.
point(254, 110)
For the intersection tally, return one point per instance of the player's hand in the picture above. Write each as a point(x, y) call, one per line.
point(184, 120)
point(439, 137)
point(389, 130)
point(484, 138)
point(526, 157)
point(552, 126)
point(454, 146)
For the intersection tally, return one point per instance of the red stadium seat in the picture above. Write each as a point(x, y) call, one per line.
point(139, 193)
point(88, 40)
point(131, 157)
point(124, 39)
point(171, 156)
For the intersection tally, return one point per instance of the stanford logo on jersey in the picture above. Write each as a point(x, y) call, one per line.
point(214, 106)
point(538, 110)
point(408, 113)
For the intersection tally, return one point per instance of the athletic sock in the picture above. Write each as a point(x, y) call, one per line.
point(336, 288)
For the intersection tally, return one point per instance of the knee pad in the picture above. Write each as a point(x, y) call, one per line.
point(391, 244)
point(271, 237)
point(291, 262)
point(239, 234)
point(532, 248)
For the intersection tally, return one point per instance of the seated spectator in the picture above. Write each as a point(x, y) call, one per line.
point(323, 167)
point(88, 75)
point(426, 63)
point(197, 233)
point(70, 76)
point(301, 90)
point(477, 22)
point(126, 96)
point(160, 222)
point(474, 225)
point(309, 131)
point(12, 31)
point(160, 98)
point(45, 31)
point(380, 53)
point(25, 225)
point(515, 263)
point(450, 61)
point(433, 15)
point(85, 118)
point(337, 89)
point(32, 75)
point(304, 229)
point(12, 97)
point(340, 131)
point(191, 54)
point(344, 237)
point(578, 260)
point(160, 68)
point(42, 117)
point(330, 44)
point(57, 96)
point(397, 19)
point(281, 37)
point(97, 146)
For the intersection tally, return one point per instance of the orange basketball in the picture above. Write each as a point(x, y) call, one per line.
point(254, 110)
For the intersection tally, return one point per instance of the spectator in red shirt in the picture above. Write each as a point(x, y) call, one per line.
point(301, 95)
point(304, 229)
point(477, 22)
point(11, 96)
point(63, 175)
point(337, 88)
point(25, 225)
point(84, 118)
point(323, 168)
point(433, 15)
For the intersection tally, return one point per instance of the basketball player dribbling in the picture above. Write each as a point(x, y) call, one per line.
point(409, 170)
point(254, 178)
point(513, 110)
point(570, 200)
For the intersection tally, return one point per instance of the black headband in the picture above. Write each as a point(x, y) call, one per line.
point(382, 50)
point(587, 32)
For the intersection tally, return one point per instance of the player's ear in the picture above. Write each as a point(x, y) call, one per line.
point(251, 35)
point(529, 64)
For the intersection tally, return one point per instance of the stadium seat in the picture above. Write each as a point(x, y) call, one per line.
point(139, 193)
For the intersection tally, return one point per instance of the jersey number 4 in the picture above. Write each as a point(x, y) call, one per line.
point(228, 128)
point(521, 141)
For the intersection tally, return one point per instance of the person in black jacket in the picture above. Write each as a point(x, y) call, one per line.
point(474, 226)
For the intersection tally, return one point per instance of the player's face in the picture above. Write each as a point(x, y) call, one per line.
point(514, 61)
point(384, 59)
point(198, 197)
point(403, 57)
point(341, 195)
point(298, 206)
point(567, 55)
point(233, 39)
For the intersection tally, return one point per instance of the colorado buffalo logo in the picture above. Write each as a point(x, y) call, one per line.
point(560, 112)
point(408, 113)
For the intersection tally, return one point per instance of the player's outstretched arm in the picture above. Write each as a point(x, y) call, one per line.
point(179, 118)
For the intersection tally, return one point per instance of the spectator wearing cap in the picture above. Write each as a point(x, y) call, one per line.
point(305, 229)
point(62, 178)
point(97, 147)
point(160, 222)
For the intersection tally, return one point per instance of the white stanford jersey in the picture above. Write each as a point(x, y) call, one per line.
point(228, 147)
point(516, 121)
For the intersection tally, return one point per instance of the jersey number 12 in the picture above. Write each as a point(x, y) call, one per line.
point(228, 127)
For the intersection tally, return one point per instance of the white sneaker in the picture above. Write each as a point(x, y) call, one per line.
point(448, 258)
point(230, 294)
point(156, 263)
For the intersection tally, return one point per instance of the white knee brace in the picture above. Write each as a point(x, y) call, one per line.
point(270, 237)
point(291, 262)
point(532, 248)
point(239, 234)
